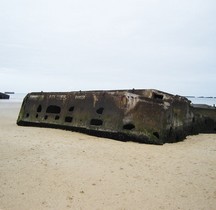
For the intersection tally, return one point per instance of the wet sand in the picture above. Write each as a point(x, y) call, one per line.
point(43, 168)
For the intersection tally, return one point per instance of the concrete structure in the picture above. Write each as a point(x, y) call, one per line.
point(4, 96)
point(146, 116)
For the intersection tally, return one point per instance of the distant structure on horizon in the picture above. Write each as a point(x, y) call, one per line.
point(4, 96)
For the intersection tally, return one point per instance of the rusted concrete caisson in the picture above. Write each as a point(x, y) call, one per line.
point(147, 116)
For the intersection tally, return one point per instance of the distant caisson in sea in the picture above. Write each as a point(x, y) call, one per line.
point(4, 96)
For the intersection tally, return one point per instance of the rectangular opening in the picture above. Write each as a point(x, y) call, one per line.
point(68, 119)
point(96, 122)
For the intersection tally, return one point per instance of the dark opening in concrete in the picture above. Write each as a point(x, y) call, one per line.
point(71, 109)
point(39, 109)
point(27, 115)
point(68, 119)
point(45, 117)
point(53, 109)
point(157, 96)
point(96, 122)
point(36, 116)
point(100, 110)
point(56, 117)
point(156, 134)
point(128, 126)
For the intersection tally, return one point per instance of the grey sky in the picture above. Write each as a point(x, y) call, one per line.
point(64, 45)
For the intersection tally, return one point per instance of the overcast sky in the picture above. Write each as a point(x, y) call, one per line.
point(66, 45)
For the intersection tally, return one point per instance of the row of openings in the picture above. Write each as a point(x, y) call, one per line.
point(53, 109)
point(56, 109)
point(67, 118)
point(96, 122)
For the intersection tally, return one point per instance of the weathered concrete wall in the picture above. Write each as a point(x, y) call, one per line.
point(147, 116)
point(204, 119)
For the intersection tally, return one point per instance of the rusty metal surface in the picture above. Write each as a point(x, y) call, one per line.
point(147, 116)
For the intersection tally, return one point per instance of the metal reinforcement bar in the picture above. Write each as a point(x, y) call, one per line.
point(145, 116)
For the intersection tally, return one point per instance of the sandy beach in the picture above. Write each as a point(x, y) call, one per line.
point(43, 168)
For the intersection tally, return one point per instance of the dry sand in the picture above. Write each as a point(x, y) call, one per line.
point(43, 168)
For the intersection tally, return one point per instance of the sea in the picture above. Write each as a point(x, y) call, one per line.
point(203, 100)
point(18, 97)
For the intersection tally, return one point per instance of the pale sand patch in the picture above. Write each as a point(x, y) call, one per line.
point(43, 168)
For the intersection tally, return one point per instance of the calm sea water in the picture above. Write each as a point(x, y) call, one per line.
point(208, 101)
point(18, 97)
